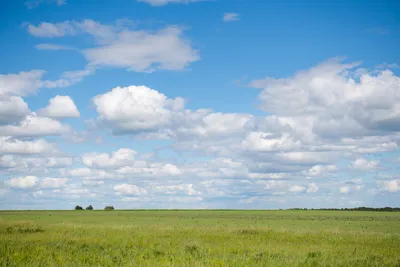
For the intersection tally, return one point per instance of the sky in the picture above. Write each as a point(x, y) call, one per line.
point(191, 104)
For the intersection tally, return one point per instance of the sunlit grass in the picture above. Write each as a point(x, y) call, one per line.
point(199, 238)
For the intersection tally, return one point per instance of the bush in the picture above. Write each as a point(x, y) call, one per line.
point(109, 208)
point(90, 207)
point(78, 208)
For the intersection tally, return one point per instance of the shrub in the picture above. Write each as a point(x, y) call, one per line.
point(78, 208)
point(109, 208)
point(90, 207)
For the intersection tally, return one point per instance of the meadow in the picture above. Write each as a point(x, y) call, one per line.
point(199, 238)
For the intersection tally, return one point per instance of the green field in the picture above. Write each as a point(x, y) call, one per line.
point(199, 238)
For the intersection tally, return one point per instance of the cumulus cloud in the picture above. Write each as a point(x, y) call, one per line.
point(129, 189)
point(344, 189)
point(21, 84)
point(363, 164)
point(26, 163)
point(186, 189)
point(12, 109)
point(351, 186)
point(92, 182)
point(25, 182)
point(121, 157)
point(136, 108)
point(60, 107)
point(53, 182)
point(34, 126)
point(10, 145)
point(391, 186)
point(332, 95)
point(312, 188)
point(320, 170)
point(259, 141)
point(145, 169)
point(333, 120)
point(297, 189)
point(230, 17)
point(27, 83)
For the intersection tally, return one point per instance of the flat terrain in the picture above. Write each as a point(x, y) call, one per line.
point(199, 238)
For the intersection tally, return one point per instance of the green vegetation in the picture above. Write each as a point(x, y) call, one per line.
point(199, 238)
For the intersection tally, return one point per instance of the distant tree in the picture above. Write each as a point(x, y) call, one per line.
point(109, 208)
point(78, 208)
point(90, 207)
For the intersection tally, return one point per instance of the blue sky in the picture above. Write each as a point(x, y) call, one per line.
point(199, 104)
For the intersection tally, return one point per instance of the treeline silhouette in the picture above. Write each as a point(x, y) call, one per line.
point(353, 209)
point(90, 207)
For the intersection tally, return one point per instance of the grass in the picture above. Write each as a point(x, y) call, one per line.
point(199, 238)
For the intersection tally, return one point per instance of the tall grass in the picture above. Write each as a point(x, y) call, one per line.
point(199, 238)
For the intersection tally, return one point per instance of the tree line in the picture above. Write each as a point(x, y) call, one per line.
point(90, 207)
point(354, 209)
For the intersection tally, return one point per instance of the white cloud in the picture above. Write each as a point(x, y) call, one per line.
point(320, 170)
point(388, 66)
point(145, 169)
point(35, 3)
point(363, 164)
point(231, 17)
point(297, 189)
point(260, 141)
point(53, 182)
point(205, 124)
point(312, 188)
point(119, 158)
point(92, 182)
point(186, 189)
point(145, 51)
point(53, 47)
point(88, 173)
point(344, 189)
point(165, 2)
point(27, 83)
point(351, 186)
point(60, 107)
point(32, 164)
point(185, 199)
point(12, 109)
point(21, 84)
point(14, 146)
point(46, 29)
point(58, 162)
point(25, 182)
point(391, 186)
point(117, 46)
point(135, 108)
point(336, 99)
point(33, 126)
point(129, 189)
point(306, 157)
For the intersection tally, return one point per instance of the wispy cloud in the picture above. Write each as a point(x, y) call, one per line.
point(166, 2)
point(54, 47)
point(378, 30)
point(35, 3)
point(228, 17)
